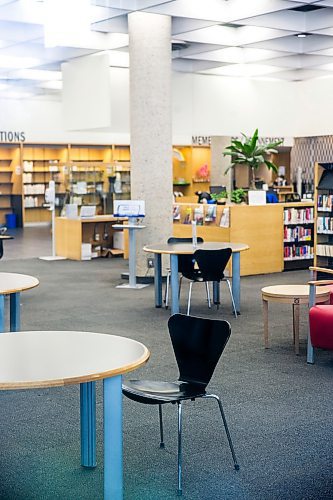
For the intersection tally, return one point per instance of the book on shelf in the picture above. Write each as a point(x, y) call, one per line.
point(324, 250)
point(294, 252)
point(176, 212)
point(188, 216)
point(325, 225)
point(298, 233)
point(325, 202)
point(225, 218)
point(211, 213)
point(298, 215)
point(199, 215)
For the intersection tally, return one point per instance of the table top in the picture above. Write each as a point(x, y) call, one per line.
point(6, 237)
point(50, 359)
point(292, 291)
point(13, 282)
point(187, 248)
point(95, 218)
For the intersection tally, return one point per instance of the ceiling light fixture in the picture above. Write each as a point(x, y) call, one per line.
point(301, 35)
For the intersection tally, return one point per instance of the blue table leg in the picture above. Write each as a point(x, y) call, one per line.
point(2, 313)
point(216, 292)
point(15, 320)
point(131, 258)
point(158, 279)
point(310, 350)
point(174, 284)
point(236, 279)
point(113, 434)
point(88, 424)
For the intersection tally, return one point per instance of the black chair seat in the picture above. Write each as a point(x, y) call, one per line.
point(157, 392)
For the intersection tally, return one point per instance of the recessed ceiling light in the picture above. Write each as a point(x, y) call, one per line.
point(301, 35)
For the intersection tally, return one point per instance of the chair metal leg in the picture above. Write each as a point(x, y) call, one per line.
point(225, 427)
point(161, 426)
point(208, 295)
point(166, 295)
point(180, 286)
point(189, 298)
point(179, 492)
point(232, 298)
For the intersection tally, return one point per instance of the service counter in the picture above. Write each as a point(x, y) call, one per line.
point(73, 237)
point(263, 228)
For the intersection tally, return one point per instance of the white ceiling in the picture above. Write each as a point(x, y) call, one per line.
point(253, 38)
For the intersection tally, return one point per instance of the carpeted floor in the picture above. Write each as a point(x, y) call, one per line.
point(279, 409)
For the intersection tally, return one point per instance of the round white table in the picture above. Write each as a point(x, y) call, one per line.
point(12, 284)
point(187, 248)
point(50, 359)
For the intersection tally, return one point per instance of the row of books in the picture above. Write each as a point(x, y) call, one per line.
point(294, 252)
point(325, 202)
point(298, 215)
point(325, 225)
point(198, 214)
point(298, 233)
point(325, 250)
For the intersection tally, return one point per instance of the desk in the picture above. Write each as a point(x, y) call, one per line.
point(132, 228)
point(12, 284)
point(187, 248)
point(51, 359)
point(71, 233)
point(290, 294)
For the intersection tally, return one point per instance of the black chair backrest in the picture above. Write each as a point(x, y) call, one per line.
point(185, 262)
point(212, 263)
point(198, 344)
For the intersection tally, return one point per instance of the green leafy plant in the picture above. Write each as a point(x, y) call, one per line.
point(222, 195)
point(249, 153)
point(238, 195)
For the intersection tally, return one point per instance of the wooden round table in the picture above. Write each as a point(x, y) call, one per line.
point(50, 359)
point(12, 284)
point(187, 248)
point(290, 294)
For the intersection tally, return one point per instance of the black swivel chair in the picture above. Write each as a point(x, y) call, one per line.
point(184, 261)
point(211, 267)
point(198, 344)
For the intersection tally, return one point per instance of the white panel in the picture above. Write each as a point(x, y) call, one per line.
point(86, 93)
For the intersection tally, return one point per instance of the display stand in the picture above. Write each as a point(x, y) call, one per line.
point(50, 198)
point(132, 228)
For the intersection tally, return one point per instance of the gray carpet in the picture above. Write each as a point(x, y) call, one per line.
point(279, 409)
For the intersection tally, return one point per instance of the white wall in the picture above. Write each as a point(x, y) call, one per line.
point(202, 105)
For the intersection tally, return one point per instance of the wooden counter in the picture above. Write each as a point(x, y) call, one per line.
point(71, 233)
point(260, 227)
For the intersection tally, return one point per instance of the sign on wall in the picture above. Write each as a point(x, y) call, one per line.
point(11, 136)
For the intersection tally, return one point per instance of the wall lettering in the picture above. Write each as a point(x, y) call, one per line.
point(201, 140)
point(11, 136)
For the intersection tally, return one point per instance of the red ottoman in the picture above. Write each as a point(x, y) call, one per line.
point(321, 326)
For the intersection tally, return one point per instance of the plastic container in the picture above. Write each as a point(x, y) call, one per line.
point(11, 221)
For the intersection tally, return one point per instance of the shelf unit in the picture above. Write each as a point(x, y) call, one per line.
point(40, 165)
point(298, 235)
point(323, 180)
point(10, 182)
point(191, 169)
point(121, 157)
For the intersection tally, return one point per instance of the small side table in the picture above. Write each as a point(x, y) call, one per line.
point(290, 294)
point(132, 228)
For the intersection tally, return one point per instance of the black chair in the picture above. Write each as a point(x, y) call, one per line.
point(198, 344)
point(184, 262)
point(211, 267)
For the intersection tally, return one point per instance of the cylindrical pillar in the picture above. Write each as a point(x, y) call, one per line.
point(150, 127)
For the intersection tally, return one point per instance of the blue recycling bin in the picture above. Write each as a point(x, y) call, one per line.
point(11, 221)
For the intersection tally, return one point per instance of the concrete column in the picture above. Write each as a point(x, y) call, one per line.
point(220, 163)
point(150, 127)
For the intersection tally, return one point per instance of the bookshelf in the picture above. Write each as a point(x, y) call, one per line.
point(121, 157)
point(191, 169)
point(10, 183)
point(323, 180)
point(298, 236)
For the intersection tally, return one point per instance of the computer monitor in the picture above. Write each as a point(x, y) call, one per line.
point(217, 189)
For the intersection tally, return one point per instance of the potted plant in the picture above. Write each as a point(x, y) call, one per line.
point(220, 197)
point(238, 196)
point(251, 154)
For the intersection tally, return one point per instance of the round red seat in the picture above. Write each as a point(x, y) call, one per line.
point(321, 326)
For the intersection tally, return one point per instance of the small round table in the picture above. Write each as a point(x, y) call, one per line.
point(53, 359)
point(188, 249)
point(290, 294)
point(12, 284)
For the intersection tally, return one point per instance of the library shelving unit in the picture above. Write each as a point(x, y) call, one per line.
point(324, 215)
point(121, 157)
point(298, 237)
point(10, 182)
point(191, 169)
point(41, 164)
